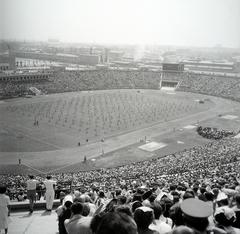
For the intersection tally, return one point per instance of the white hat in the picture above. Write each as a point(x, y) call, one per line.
point(228, 212)
point(221, 196)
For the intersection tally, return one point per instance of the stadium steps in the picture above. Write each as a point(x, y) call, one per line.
point(16, 206)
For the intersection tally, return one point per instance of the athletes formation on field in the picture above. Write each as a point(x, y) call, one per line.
point(97, 115)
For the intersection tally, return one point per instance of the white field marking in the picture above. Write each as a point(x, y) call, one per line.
point(152, 146)
point(168, 89)
point(180, 142)
point(41, 172)
point(189, 127)
point(230, 117)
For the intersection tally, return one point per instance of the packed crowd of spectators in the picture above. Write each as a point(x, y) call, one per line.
point(211, 161)
point(198, 207)
point(104, 79)
point(19, 89)
point(193, 191)
point(66, 81)
point(227, 87)
point(213, 133)
point(69, 81)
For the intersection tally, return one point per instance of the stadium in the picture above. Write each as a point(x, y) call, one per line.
point(151, 132)
point(109, 128)
point(120, 117)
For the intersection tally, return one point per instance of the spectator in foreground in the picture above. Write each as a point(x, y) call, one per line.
point(237, 211)
point(78, 223)
point(143, 217)
point(160, 226)
point(195, 216)
point(91, 205)
point(4, 209)
point(113, 223)
point(65, 214)
point(21, 196)
point(225, 218)
point(31, 192)
point(62, 207)
point(50, 193)
point(86, 210)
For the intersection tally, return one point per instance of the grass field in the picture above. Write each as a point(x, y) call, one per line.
point(121, 117)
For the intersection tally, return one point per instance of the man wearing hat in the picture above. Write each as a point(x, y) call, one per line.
point(225, 218)
point(145, 198)
point(237, 211)
point(195, 215)
point(143, 217)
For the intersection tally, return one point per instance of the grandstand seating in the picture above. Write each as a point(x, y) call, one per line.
point(212, 85)
point(64, 81)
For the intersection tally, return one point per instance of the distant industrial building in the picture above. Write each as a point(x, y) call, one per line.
point(82, 59)
point(209, 66)
point(173, 67)
point(7, 61)
point(115, 55)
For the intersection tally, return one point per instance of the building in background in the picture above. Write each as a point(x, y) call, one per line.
point(8, 60)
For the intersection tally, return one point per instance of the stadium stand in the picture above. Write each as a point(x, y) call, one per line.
point(211, 85)
point(65, 81)
point(209, 173)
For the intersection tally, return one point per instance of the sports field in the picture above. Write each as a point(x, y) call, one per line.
point(55, 131)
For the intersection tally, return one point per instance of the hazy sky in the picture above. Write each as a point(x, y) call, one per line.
point(171, 22)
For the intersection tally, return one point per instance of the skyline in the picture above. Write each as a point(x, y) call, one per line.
point(191, 23)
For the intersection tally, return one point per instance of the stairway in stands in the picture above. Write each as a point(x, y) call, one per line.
point(35, 91)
